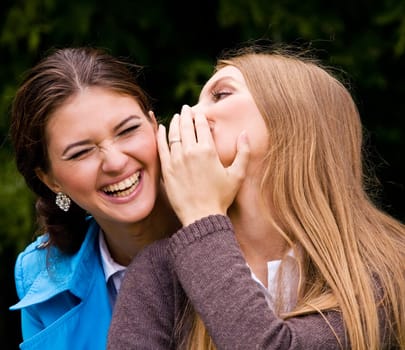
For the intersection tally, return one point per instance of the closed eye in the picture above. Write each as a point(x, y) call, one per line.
point(128, 130)
point(80, 153)
point(220, 94)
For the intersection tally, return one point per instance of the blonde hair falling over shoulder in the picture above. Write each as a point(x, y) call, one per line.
point(350, 253)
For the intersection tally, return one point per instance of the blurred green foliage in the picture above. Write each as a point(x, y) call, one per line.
point(16, 207)
point(177, 43)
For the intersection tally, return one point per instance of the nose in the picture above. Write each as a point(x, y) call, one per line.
point(205, 110)
point(200, 108)
point(114, 159)
point(197, 108)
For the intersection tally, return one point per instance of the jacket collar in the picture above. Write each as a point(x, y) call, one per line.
point(65, 272)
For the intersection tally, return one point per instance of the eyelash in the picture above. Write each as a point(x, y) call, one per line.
point(80, 153)
point(87, 150)
point(128, 130)
point(219, 94)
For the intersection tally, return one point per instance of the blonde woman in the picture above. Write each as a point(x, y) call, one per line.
point(301, 258)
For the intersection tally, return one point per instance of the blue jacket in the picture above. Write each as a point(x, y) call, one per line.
point(63, 299)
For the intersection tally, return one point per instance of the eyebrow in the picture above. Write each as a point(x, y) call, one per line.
point(119, 125)
point(87, 141)
point(216, 82)
point(222, 79)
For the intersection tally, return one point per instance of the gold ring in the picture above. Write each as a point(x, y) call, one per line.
point(173, 141)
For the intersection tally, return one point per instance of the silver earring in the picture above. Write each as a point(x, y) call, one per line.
point(63, 201)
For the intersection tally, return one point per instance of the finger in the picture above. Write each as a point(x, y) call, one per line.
point(186, 125)
point(202, 129)
point(174, 131)
point(153, 119)
point(163, 147)
point(239, 165)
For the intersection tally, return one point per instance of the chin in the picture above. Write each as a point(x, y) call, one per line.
point(225, 154)
point(143, 212)
point(226, 161)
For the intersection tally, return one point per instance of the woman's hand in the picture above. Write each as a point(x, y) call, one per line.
point(196, 182)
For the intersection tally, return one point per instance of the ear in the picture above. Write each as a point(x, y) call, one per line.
point(48, 180)
point(153, 120)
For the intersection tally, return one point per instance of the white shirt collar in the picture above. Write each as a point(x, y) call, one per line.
point(289, 281)
point(110, 266)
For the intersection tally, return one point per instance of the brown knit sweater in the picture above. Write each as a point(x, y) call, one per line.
point(204, 262)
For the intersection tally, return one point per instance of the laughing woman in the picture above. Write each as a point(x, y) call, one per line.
point(85, 142)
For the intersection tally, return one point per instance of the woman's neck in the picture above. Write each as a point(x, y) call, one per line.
point(127, 240)
point(259, 241)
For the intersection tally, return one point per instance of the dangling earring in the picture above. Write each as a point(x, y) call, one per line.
point(62, 201)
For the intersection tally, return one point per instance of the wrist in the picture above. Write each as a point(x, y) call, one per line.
point(193, 217)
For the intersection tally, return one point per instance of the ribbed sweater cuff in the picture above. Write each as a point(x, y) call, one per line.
point(197, 230)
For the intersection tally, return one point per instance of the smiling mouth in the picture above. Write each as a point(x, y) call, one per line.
point(123, 188)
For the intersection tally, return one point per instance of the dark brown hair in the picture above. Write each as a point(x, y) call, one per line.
point(45, 88)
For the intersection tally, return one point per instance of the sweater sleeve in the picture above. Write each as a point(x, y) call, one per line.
point(143, 313)
point(215, 277)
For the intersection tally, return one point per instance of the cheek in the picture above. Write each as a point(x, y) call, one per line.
point(77, 182)
point(142, 145)
point(147, 150)
point(77, 177)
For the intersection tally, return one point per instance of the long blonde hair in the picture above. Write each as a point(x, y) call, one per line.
point(350, 253)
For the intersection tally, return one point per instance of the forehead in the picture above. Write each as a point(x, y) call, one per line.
point(95, 100)
point(91, 110)
point(227, 73)
point(91, 94)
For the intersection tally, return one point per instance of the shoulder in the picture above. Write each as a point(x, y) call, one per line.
point(154, 255)
point(44, 267)
point(203, 233)
point(30, 263)
point(151, 266)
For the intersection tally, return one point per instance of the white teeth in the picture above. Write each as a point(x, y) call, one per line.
point(124, 187)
